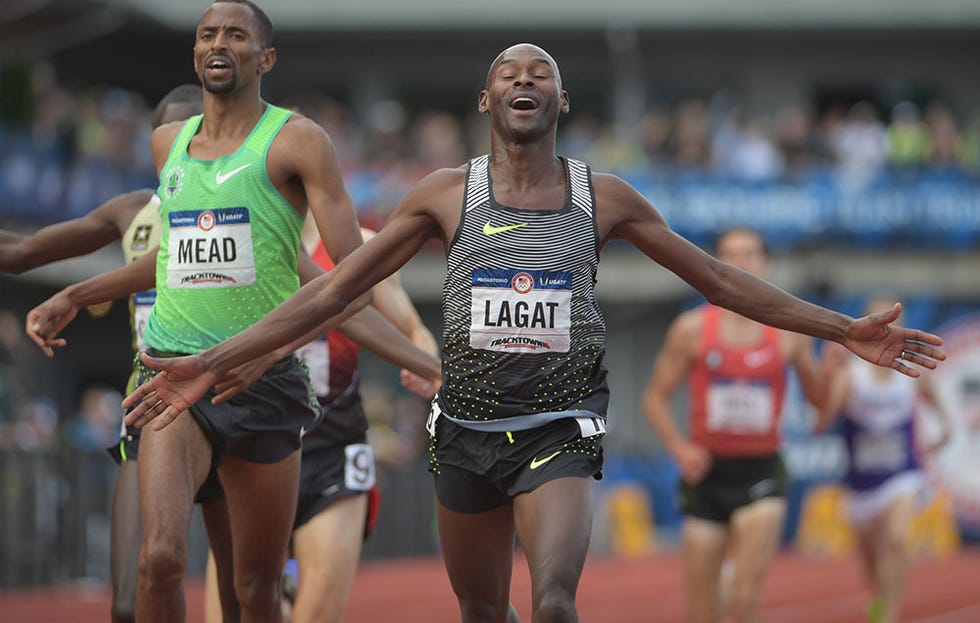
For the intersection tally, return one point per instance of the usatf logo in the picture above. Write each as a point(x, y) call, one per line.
point(206, 220)
point(173, 182)
point(522, 283)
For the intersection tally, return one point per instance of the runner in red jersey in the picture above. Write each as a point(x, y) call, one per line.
point(733, 479)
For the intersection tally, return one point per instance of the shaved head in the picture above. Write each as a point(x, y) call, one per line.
point(526, 48)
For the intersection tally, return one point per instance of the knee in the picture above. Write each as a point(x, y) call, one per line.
point(258, 592)
point(162, 564)
point(554, 605)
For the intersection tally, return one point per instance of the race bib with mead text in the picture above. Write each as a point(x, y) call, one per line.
point(210, 249)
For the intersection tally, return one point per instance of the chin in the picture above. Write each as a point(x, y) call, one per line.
point(220, 88)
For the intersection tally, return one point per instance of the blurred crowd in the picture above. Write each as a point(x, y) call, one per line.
point(77, 148)
point(68, 150)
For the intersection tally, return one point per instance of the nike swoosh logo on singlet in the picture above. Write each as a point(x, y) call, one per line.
point(220, 179)
point(536, 462)
point(490, 230)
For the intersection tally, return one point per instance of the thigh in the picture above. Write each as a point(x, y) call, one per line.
point(261, 501)
point(327, 549)
point(478, 551)
point(172, 464)
point(554, 526)
point(756, 530)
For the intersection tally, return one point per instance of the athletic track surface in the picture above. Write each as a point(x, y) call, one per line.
point(643, 590)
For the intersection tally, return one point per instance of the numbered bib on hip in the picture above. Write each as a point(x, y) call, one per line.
point(359, 469)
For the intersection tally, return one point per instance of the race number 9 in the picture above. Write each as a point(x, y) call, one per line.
point(359, 469)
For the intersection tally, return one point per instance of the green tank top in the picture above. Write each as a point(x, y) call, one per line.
point(228, 242)
point(142, 235)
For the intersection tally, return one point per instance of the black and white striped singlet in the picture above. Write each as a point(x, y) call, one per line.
point(522, 332)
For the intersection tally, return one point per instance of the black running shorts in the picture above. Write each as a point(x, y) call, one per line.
point(478, 471)
point(262, 424)
point(732, 483)
point(331, 470)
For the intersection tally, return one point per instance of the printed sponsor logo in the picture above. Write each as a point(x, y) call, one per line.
point(490, 230)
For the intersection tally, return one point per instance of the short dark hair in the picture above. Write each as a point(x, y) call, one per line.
point(191, 94)
point(266, 31)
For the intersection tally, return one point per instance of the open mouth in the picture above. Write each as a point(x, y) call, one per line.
point(218, 64)
point(523, 103)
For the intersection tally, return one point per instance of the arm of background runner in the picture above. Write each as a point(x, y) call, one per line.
point(370, 329)
point(103, 225)
point(837, 369)
point(928, 396)
point(671, 367)
point(813, 382)
point(625, 214)
point(391, 299)
point(48, 319)
point(316, 307)
point(308, 152)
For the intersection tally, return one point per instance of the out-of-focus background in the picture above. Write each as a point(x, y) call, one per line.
point(847, 132)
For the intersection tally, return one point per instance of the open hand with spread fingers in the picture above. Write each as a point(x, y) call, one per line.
point(182, 381)
point(875, 339)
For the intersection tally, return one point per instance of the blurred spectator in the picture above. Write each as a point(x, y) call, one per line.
point(796, 138)
point(968, 149)
point(742, 151)
point(689, 146)
point(909, 143)
point(860, 145)
point(95, 427)
point(942, 127)
point(438, 141)
point(35, 425)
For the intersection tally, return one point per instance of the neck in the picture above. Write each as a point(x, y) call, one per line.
point(231, 114)
point(524, 164)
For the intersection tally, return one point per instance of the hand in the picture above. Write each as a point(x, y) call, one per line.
point(693, 460)
point(238, 379)
point(47, 320)
point(421, 387)
point(873, 338)
point(181, 382)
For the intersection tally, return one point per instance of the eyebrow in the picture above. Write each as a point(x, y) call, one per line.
point(539, 60)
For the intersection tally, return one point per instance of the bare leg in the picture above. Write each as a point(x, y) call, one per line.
point(755, 530)
point(261, 504)
point(479, 568)
point(173, 463)
point(220, 603)
point(893, 555)
point(554, 524)
point(327, 549)
point(125, 543)
point(703, 545)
